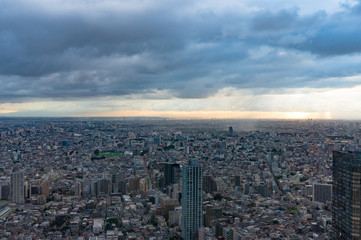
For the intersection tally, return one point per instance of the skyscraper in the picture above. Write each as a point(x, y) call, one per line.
point(17, 187)
point(192, 216)
point(346, 198)
point(230, 131)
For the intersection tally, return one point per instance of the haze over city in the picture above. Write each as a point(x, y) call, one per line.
point(181, 59)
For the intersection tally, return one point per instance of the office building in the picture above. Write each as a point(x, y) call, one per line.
point(167, 204)
point(322, 193)
point(230, 131)
point(45, 188)
point(4, 192)
point(192, 216)
point(212, 213)
point(122, 187)
point(116, 179)
point(346, 197)
point(171, 173)
point(307, 191)
point(134, 183)
point(17, 187)
point(103, 187)
point(209, 184)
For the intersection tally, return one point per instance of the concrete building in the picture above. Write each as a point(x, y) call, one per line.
point(45, 188)
point(98, 226)
point(209, 184)
point(212, 213)
point(17, 187)
point(322, 193)
point(192, 215)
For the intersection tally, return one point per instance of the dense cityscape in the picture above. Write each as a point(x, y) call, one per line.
point(150, 178)
point(180, 120)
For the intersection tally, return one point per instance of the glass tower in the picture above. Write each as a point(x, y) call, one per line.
point(171, 173)
point(346, 198)
point(192, 215)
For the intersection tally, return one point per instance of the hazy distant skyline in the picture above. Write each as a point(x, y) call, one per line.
point(181, 59)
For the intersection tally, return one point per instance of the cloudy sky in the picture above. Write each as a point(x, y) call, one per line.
point(181, 58)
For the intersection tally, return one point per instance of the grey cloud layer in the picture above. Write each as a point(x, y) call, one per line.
point(104, 48)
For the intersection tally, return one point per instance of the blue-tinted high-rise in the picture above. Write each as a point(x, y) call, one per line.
point(192, 214)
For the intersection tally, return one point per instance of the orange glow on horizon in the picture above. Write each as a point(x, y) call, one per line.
point(212, 114)
point(8, 111)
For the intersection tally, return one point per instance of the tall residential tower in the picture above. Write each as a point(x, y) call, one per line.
point(192, 215)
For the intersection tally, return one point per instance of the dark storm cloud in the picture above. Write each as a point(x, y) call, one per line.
point(320, 34)
point(84, 49)
point(269, 22)
point(340, 35)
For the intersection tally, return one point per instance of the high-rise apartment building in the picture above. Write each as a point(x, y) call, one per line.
point(192, 215)
point(346, 195)
point(17, 187)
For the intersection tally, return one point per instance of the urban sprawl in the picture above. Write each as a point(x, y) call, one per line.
point(150, 178)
